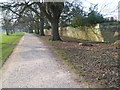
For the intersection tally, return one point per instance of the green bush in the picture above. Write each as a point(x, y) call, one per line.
point(92, 19)
point(47, 27)
point(79, 21)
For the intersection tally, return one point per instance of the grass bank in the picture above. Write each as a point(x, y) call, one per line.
point(7, 44)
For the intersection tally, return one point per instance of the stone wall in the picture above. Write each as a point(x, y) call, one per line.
point(99, 33)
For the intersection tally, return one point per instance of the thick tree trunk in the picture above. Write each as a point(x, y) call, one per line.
point(42, 27)
point(52, 11)
point(7, 32)
point(55, 32)
point(37, 28)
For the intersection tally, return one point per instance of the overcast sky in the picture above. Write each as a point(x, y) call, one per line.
point(107, 7)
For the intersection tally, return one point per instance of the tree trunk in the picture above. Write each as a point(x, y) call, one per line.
point(11, 31)
point(55, 32)
point(42, 27)
point(31, 29)
point(37, 28)
point(7, 32)
point(35, 31)
point(38, 32)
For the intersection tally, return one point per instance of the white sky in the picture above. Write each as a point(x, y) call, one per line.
point(107, 7)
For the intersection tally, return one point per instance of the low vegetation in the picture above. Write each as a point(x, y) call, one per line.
point(96, 62)
point(7, 44)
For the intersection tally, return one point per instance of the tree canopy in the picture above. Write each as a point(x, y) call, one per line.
point(39, 15)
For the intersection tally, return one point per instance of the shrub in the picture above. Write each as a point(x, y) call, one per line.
point(47, 27)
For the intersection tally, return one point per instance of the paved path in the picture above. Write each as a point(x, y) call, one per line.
point(31, 65)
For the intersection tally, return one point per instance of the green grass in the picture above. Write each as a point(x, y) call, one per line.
point(7, 45)
point(62, 54)
point(65, 56)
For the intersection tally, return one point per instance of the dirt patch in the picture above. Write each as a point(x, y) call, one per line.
point(96, 62)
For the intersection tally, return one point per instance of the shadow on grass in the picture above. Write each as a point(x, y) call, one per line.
point(15, 35)
point(8, 44)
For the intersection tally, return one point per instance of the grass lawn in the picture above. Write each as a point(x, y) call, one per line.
point(7, 44)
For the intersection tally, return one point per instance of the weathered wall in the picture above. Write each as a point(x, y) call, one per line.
point(83, 33)
point(99, 33)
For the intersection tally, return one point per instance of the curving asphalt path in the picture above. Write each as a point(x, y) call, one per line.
point(32, 65)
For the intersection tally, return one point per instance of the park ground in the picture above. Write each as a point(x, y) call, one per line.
point(33, 65)
point(96, 62)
